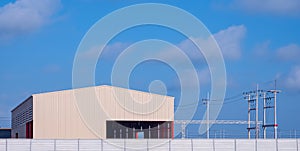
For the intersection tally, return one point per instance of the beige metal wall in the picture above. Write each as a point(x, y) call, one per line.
point(82, 113)
point(55, 116)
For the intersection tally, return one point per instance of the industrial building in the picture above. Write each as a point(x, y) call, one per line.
point(75, 114)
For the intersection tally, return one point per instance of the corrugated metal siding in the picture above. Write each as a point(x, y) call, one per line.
point(20, 116)
point(57, 112)
point(56, 116)
point(131, 104)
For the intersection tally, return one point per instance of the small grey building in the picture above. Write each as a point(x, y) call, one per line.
point(5, 132)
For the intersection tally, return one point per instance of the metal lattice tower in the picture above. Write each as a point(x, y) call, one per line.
point(184, 123)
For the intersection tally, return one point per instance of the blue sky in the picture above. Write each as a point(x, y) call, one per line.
point(260, 42)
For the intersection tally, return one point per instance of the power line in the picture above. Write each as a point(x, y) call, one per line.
point(227, 100)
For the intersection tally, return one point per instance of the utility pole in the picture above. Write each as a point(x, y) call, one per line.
point(249, 116)
point(206, 102)
point(248, 96)
point(267, 106)
point(256, 115)
point(253, 105)
point(274, 107)
point(253, 98)
point(275, 114)
point(264, 117)
point(275, 91)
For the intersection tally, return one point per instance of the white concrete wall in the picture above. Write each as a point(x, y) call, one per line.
point(150, 144)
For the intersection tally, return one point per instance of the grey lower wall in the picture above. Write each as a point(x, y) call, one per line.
point(20, 116)
point(5, 133)
point(150, 144)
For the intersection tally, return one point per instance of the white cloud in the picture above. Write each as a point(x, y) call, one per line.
point(204, 76)
point(110, 51)
point(113, 50)
point(293, 79)
point(290, 52)
point(278, 7)
point(230, 40)
point(24, 16)
point(190, 49)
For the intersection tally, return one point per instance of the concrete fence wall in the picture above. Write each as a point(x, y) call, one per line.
point(150, 144)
